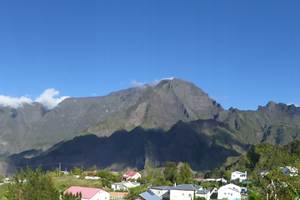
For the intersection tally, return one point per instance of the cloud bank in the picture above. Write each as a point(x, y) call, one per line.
point(49, 99)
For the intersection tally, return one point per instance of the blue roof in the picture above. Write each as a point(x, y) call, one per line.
point(149, 196)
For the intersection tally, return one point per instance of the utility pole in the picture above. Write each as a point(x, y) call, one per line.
point(59, 168)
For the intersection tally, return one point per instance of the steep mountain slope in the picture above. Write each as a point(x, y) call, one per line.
point(205, 144)
point(150, 106)
point(273, 123)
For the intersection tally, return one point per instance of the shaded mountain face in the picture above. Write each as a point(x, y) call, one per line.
point(196, 143)
point(151, 106)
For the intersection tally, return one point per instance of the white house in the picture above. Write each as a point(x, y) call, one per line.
point(124, 186)
point(132, 176)
point(179, 192)
point(237, 175)
point(88, 193)
point(289, 171)
point(230, 192)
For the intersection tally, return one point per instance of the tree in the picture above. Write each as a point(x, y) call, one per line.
point(70, 196)
point(185, 174)
point(77, 171)
point(33, 185)
point(170, 172)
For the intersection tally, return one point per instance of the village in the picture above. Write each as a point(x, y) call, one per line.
point(132, 185)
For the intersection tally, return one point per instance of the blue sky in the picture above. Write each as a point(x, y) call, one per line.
point(243, 53)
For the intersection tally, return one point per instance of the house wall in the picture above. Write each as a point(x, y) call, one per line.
point(100, 196)
point(228, 194)
point(181, 195)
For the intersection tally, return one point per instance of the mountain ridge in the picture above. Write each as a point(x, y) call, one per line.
point(169, 107)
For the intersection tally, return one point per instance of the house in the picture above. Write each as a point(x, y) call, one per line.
point(237, 175)
point(289, 171)
point(264, 173)
point(124, 185)
point(230, 192)
point(132, 176)
point(88, 193)
point(118, 195)
point(179, 192)
point(148, 195)
point(204, 193)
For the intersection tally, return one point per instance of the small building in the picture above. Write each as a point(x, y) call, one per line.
point(132, 176)
point(264, 173)
point(230, 192)
point(179, 192)
point(88, 193)
point(124, 185)
point(218, 180)
point(240, 176)
point(148, 195)
point(93, 178)
point(289, 171)
point(204, 193)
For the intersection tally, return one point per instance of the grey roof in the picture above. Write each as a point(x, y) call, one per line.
point(203, 191)
point(149, 196)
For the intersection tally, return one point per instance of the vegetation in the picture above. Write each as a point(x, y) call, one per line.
point(35, 185)
point(273, 185)
point(269, 158)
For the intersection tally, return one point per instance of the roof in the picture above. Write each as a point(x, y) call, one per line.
point(203, 191)
point(231, 187)
point(130, 173)
point(238, 172)
point(86, 192)
point(149, 196)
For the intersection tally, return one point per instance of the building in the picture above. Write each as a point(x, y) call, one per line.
point(88, 193)
point(289, 171)
point(240, 176)
point(179, 192)
point(230, 192)
point(118, 195)
point(124, 185)
point(204, 193)
point(148, 195)
point(132, 176)
point(220, 180)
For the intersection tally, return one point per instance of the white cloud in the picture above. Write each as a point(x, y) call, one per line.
point(136, 83)
point(14, 102)
point(49, 98)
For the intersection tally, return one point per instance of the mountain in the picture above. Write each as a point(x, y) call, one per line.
point(172, 120)
point(150, 106)
point(273, 123)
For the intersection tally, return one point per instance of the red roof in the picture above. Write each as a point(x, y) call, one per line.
point(87, 193)
point(130, 174)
